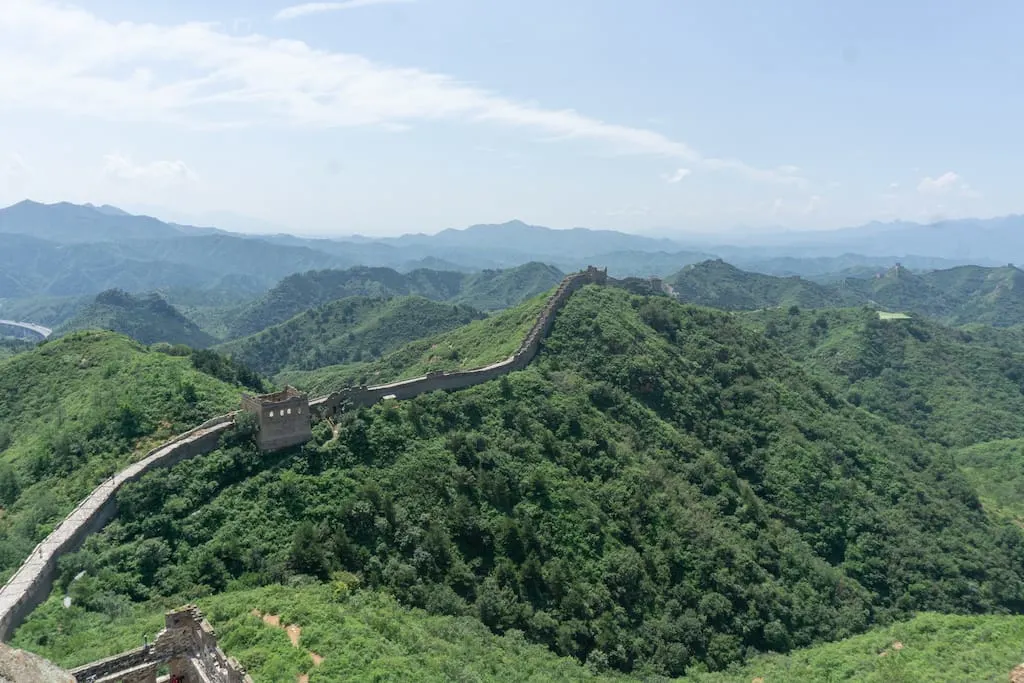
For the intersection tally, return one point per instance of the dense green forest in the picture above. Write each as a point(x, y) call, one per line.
point(955, 387)
point(145, 318)
point(720, 285)
point(663, 491)
point(480, 343)
point(487, 290)
point(10, 346)
point(76, 409)
point(956, 296)
point(354, 329)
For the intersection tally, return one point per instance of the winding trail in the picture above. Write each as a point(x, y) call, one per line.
point(32, 582)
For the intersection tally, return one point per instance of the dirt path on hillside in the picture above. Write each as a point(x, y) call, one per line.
point(294, 632)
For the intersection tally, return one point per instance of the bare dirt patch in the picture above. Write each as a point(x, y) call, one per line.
point(294, 632)
point(1017, 675)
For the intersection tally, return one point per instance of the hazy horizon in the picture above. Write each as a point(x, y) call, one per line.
point(247, 225)
point(383, 117)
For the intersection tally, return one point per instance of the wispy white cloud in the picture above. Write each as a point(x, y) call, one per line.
point(62, 58)
point(944, 183)
point(163, 172)
point(949, 183)
point(308, 8)
point(677, 175)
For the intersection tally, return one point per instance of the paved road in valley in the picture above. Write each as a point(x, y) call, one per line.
point(44, 332)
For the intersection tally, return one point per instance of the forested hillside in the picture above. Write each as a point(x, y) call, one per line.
point(146, 318)
point(480, 343)
point(954, 387)
point(961, 295)
point(76, 409)
point(720, 285)
point(354, 329)
point(662, 488)
point(488, 290)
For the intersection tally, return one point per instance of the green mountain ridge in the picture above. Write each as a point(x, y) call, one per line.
point(955, 387)
point(662, 490)
point(488, 290)
point(353, 329)
point(75, 409)
point(965, 294)
point(148, 319)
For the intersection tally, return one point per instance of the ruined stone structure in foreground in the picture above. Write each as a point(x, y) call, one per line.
point(187, 646)
point(282, 419)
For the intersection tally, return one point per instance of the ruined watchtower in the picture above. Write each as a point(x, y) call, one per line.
point(283, 418)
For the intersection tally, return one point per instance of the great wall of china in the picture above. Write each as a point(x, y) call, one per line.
point(32, 583)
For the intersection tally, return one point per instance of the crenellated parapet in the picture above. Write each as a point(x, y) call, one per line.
point(355, 397)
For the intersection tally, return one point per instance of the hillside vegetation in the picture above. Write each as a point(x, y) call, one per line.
point(931, 647)
point(353, 329)
point(663, 490)
point(961, 295)
point(361, 635)
point(10, 346)
point(954, 387)
point(996, 469)
point(488, 290)
point(720, 285)
point(146, 318)
point(76, 409)
point(475, 345)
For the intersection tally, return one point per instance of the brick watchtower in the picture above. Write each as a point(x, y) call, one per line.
point(283, 418)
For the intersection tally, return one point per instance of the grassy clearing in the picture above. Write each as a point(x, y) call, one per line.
point(930, 647)
point(996, 470)
point(362, 635)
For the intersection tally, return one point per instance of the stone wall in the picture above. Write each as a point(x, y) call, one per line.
point(366, 396)
point(32, 583)
point(187, 643)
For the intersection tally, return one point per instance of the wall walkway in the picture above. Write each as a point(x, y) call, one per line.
point(33, 581)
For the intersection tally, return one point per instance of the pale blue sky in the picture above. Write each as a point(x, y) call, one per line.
point(388, 117)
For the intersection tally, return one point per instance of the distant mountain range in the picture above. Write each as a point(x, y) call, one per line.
point(62, 250)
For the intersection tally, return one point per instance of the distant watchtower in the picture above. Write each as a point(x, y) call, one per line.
point(283, 418)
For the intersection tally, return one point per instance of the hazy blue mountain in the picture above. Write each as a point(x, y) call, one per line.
point(636, 263)
point(71, 223)
point(988, 241)
point(520, 236)
point(849, 264)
